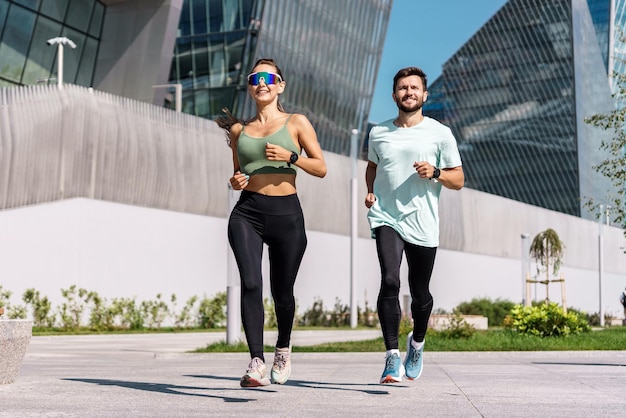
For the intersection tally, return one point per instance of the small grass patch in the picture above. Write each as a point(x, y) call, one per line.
point(86, 331)
point(492, 340)
point(500, 340)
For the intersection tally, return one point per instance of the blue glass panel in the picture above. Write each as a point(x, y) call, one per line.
point(41, 59)
point(199, 15)
point(184, 25)
point(87, 63)
point(31, 4)
point(79, 14)
point(95, 26)
point(216, 15)
point(55, 9)
point(4, 7)
point(15, 42)
point(72, 56)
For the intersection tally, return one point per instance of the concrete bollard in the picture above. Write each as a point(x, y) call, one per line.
point(14, 339)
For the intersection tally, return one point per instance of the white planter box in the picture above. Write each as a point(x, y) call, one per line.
point(439, 322)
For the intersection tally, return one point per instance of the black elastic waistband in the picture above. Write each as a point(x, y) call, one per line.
point(269, 205)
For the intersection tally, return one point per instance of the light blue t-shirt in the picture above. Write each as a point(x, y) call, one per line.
point(404, 201)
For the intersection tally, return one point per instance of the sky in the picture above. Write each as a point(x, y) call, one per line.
point(425, 34)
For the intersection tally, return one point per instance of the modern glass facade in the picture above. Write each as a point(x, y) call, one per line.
point(215, 42)
point(26, 25)
point(619, 39)
point(328, 52)
point(515, 95)
point(600, 11)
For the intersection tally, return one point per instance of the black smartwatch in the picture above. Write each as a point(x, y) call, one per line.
point(436, 173)
point(294, 157)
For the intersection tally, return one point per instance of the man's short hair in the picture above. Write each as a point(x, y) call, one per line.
point(408, 71)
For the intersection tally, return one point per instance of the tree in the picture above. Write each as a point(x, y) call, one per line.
point(614, 167)
point(547, 251)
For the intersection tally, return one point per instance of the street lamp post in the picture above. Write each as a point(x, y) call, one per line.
point(604, 217)
point(233, 287)
point(354, 143)
point(525, 269)
point(60, 41)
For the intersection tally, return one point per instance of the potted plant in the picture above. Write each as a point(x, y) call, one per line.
point(547, 251)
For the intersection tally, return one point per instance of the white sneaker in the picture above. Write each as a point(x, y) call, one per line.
point(281, 370)
point(255, 374)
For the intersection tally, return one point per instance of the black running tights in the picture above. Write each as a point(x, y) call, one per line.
point(420, 261)
point(278, 222)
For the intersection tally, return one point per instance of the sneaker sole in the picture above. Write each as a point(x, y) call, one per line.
point(390, 379)
point(281, 381)
point(251, 382)
point(393, 379)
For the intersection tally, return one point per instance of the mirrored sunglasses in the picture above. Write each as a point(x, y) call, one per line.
point(254, 79)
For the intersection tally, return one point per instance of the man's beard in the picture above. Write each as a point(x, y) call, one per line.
point(410, 109)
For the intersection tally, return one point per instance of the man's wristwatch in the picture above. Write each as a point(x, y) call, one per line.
point(436, 173)
point(294, 157)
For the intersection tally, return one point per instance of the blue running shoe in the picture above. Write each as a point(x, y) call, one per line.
point(413, 362)
point(393, 369)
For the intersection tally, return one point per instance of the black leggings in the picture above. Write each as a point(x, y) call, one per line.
point(421, 261)
point(278, 222)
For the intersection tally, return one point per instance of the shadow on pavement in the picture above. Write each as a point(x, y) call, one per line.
point(163, 388)
point(321, 385)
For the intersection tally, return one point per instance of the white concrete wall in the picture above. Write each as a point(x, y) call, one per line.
point(129, 251)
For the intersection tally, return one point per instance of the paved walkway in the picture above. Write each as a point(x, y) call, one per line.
point(153, 376)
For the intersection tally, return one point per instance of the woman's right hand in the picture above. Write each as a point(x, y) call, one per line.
point(239, 181)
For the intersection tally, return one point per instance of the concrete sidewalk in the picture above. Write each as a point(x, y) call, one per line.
point(152, 376)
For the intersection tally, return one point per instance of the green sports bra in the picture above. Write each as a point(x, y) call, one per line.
point(251, 152)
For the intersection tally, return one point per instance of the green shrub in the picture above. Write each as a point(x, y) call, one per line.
point(339, 316)
point(315, 316)
point(71, 311)
point(406, 326)
point(40, 307)
point(457, 328)
point(155, 311)
point(212, 311)
point(367, 317)
point(5, 295)
point(591, 319)
point(101, 317)
point(545, 320)
point(495, 311)
point(16, 312)
point(269, 312)
point(129, 313)
point(184, 318)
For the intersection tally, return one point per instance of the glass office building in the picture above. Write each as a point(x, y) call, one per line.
point(328, 52)
point(516, 95)
point(26, 26)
